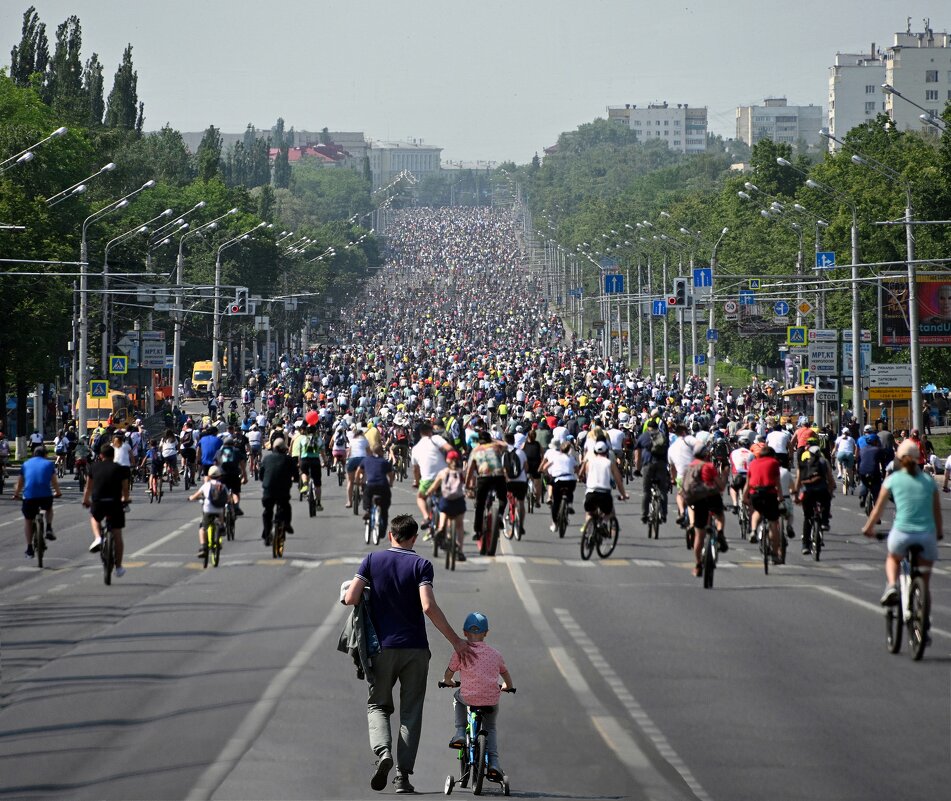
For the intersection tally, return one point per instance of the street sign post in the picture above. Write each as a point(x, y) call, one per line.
point(825, 259)
point(889, 375)
point(713, 335)
point(747, 297)
point(701, 359)
point(781, 308)
point(659, 308)
point(614, 283)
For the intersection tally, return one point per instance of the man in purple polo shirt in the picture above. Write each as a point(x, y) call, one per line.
point(401, 584)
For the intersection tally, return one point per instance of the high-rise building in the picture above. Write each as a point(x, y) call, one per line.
point(855, 90)
point(682, 128)
point(778, 121)
point(918, 65)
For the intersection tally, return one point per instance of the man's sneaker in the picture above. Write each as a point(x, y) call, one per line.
point(460, 556)
point(202, 553)
point(383, 765)
point(644, 520)
point(50, 535)
point(288, 528)
point(806, 550)
point(571, 510)
point(319, 507)
point(120, 572)
point(722, 544)
point(238, 511)
point(679, 520)
point(890, 596)
point(553, 527)
point(402, 785)
point(29, 551)
point(96, 545)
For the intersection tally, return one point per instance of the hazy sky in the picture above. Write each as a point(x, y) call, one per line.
point(494, 80)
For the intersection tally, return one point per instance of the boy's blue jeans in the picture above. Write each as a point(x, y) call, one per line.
point(488, 723)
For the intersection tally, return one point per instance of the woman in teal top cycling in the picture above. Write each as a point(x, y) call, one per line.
point(917, 518)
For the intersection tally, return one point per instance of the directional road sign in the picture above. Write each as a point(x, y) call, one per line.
point(747, 297)
point(781, 308)
point(713, 335)
point(701, 358)
point(796, 335)
point(118, 365)
point(825, 259)
point(659, 308)
point(613, 283)
point(823, 358)
point(99, 389)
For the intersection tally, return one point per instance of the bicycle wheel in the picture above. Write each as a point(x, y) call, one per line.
point(451, 547)
point(209, 544)
point(478, 768)
point(488, 526)
point(531, 500)
point(893, 628)
point(368, 528)
point(816, 537)
point(709, 560)
point(277, 543)
point(357, 497)
point(311, 500)
point(562, 518)
point(39, 540)
point(519, 525)
point(764, 545)
point(918, 622)
point(607, 542)
point(82, 480)
point(108, 557)
point(378, 532)
point(231, 523)
point(215, 549)
point(588, 537)
point(508, 530)
point(340, 475)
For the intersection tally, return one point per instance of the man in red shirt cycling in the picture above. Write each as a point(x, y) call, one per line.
point(764, 492)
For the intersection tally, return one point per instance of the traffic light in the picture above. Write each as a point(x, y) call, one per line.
point(681, 296)
point(240, 305)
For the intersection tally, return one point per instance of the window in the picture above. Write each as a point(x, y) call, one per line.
point(931, 94)
point(870, 107)
point(676, 123)
point(666, 123)
point(676, 143)
point(870, 89)
point(931, 76)
point(637, 123)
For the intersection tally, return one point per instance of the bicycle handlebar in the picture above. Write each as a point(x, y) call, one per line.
point(452, 684)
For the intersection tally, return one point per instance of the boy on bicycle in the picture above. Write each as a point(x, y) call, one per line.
point(479, 686)
point(212, 491)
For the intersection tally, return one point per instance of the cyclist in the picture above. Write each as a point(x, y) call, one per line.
point(309, 448)
point(814, 483)
point(872, 461)
point(255, 439)
point(208, 447)
point(169, 449)
point(650, 460)
point(210, 491)
point(764, 492)
point(708, 503)
point(450, 483)
point(376, 472)
point(278, 473)
point(597, 471)
point(233, 463)
point(357, 451)
point(679, 457)
point(186, 440)
point(106, 493)
point(486, 472)
point(844, 453)
point(517, 485)
point(560, 465)
point(429, 457)
point(740, 457)
point(152, 462)
point(918, 519)
point(780, 440)
point(533, 459)
point(37, 485)
point(61, 449)
point(398, 440)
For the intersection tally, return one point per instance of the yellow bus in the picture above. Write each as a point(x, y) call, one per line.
point(201, 375)
point(114, 410)
point(797, 402)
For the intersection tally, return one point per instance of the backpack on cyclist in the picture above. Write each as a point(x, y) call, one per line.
point(695, 489)
point(228, 455)
point(658, 447)
point(187, 439)
point(452, 486)
point(511, 464)
point(721, 449)
point(218, 495)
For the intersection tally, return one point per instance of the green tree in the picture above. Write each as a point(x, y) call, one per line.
point(67, 93)
point(30, 57)
point(282, 167)
point(208, 155)
point(93, 90)
point(123, 110)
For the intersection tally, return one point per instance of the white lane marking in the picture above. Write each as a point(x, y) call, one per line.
point(615, 736)
point(59, 588)
point(152, 546)
point(31, 598)
point(10, 523)
point(257, 717)
point(634, 709)
point(166, 564)
point(858, 567)
point(304, 563)
point(647, 562)
point(867, 605)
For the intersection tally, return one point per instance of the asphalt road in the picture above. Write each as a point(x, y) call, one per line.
point(633, 681)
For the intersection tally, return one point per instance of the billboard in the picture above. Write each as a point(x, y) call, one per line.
point(934, 309)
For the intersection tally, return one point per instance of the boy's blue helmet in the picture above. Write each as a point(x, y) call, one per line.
point(476, 623)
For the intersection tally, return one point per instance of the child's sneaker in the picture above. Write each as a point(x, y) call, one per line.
point(458, 741)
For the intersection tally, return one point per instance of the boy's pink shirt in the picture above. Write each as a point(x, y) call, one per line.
point(480, 678)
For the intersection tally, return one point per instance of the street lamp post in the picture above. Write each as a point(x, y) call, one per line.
point(78, 188)
point(28, 155)
point(216, 321)
point(121, 203)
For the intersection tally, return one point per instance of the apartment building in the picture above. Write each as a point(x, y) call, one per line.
point(682, 127)
point(780, 122)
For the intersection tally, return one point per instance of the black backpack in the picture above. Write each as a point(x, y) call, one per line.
point(511, 464)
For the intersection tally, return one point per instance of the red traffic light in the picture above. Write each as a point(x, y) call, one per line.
point(672, 300)
point(235, 308)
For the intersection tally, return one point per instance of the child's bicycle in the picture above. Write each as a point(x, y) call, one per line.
point(474, 755)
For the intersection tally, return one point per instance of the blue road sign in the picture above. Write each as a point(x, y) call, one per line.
point(613, 283)
point(99, 389)
point(747, 297)
point(701, 358)
point(781, 307)
point(754, 283)
point(702, 276)
point(713, 335)
point(118, 365)
point(825, 259)
point(796, 335)
point(659, 308)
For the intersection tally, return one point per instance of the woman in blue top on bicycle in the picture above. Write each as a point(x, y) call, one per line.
point(917, 518)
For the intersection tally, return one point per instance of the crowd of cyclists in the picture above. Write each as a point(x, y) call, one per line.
point(452, 370)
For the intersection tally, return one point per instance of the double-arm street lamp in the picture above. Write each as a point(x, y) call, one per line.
point(77, 188)
point(929, 117)
point(115, 205)
point(28, 155)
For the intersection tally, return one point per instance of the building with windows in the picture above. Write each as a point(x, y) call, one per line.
point(389, 159)
point(855, 90)
point(780, 122)
point(918, 65)
point(682, 128)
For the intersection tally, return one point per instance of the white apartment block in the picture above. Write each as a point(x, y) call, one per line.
point(918, 65)
point(779, 121)
point(682, 128)
point(388, 159)
point(855, 90)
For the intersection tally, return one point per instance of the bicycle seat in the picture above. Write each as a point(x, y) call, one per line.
point(915, 550)
point(482, 710)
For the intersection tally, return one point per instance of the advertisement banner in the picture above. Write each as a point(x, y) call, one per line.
point(934, 310)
